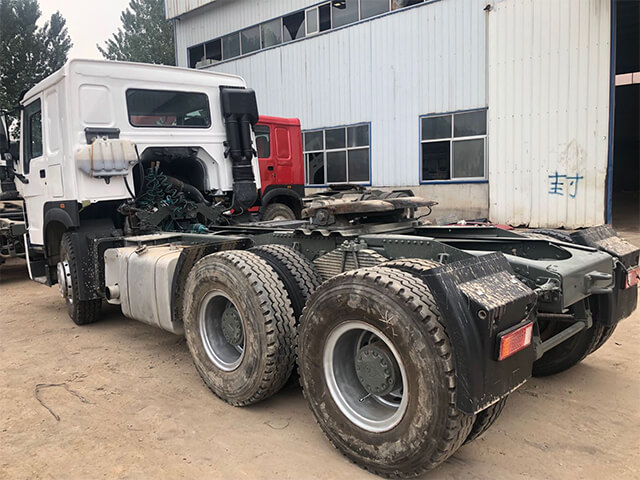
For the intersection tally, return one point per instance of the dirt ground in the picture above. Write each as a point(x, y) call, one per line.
point(119, 399)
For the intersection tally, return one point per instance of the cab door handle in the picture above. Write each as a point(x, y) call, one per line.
point(43, 173)
point(270, 168)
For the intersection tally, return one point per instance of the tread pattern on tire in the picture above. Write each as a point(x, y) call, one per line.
point(543, 369)
point(84, 311)
point(300, 268)
point(415, 293)
point(276, 308)
point(485, 419)
point(604, 336)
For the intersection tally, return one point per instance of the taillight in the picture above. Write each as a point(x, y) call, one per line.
point(632, 278)
point(513, 342)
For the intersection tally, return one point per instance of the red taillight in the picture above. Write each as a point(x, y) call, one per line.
point(632, 278)
point(515, 341)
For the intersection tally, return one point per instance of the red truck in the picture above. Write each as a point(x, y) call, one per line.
point(279, 146)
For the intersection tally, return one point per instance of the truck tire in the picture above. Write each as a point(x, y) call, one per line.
point(414, 266)
point(296, 272)
point(388, 405)
point(277, 211)
point(239, 326)
point(604, 336)
point(569, 352)
point(82, 312)
point(485, 419)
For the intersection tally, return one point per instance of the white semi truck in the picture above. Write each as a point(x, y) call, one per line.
point(408, 338)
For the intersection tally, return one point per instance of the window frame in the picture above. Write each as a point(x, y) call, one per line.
point(451, 139)
point(31, 110)
point(345, 149)
point(307, 34)
point(202, 127)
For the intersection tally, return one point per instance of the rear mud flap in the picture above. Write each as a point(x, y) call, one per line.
point(610, 308)
point(478, 298)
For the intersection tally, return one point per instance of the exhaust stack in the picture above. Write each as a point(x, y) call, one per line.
point(240, 113)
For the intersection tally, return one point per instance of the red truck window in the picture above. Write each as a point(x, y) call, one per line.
point(263, 141)
point(283, 145)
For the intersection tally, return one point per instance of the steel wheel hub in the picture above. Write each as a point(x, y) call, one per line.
point(376, 369)
point(64, 280)
point(221, 331)
point(232, 326)
point(365, 376)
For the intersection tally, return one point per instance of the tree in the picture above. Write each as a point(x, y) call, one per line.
point(145, 36)
point(28, 54)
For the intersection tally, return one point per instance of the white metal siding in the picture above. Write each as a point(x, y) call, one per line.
point(548, 79)
point(226, 16)
point(173, 8)
point(386, 71)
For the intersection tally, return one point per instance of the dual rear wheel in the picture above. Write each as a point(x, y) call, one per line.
point(375, 362)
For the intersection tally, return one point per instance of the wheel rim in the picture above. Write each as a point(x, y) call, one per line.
point(346, 347)
point(222, 331)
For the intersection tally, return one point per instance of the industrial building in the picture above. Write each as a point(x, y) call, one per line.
point(504, 109)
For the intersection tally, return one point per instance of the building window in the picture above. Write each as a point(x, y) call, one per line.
point(297, 25)
point(337, 155)
point(293, 26)
point(250, 39)
point(196, 55)
point(271, 33)
point(371, 8)
point(453, 146)
point(231, 46)
point(344, 12)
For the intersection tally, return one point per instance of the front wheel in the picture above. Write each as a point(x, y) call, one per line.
point(377, 370)
point(81, 312)
point(278, 211)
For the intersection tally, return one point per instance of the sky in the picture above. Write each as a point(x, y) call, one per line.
point(89, 22)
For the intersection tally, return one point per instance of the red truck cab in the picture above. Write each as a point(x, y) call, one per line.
point(279, 146)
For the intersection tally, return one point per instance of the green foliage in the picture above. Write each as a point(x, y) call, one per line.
point(28, 53)
point(145, 36)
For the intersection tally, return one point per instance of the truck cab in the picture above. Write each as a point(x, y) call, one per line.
point(94, 130)
point(279, 147)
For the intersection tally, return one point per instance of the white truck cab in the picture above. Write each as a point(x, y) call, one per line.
point(87, 126)
point(147, 105)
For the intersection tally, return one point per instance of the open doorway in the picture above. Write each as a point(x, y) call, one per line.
point(626, 146)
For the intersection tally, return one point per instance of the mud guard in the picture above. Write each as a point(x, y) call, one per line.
point(479, 297)
point(612, 307)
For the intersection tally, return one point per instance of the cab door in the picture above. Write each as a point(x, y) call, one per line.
point(33, 166)
point(266, 156)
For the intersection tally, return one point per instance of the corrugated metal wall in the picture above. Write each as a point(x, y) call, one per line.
point(548, 95)
point(226, 16)
point(387, 71)
point(173, 8)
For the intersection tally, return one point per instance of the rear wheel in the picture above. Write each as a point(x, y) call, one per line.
point(485, 419)
point(377, 370)
point(278, 211)
point(81, 312)
point(568, 353)
point(239, 326)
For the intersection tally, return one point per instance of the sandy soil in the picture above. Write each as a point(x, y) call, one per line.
point(119, 399)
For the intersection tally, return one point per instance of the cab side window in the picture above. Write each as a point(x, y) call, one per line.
point(32, 133)
point(263, 141)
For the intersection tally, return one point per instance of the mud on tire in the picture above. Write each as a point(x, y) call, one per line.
point(82, 312)
point(398, 308)
point(264, 353)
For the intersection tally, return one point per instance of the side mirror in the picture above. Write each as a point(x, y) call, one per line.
point(4, 135)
